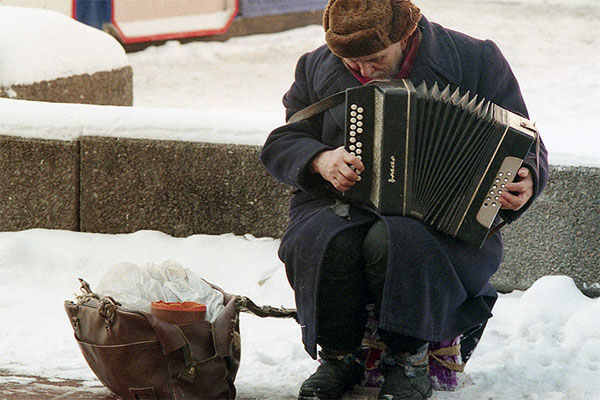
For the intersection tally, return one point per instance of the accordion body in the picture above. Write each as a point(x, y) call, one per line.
point(434, 155)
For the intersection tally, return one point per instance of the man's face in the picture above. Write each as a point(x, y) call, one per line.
point(384, 64)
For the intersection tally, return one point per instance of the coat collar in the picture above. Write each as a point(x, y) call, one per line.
point(437, 58)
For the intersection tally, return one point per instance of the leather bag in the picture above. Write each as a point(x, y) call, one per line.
point(138, 356)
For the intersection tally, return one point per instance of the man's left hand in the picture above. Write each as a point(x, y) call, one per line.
point(519, 192)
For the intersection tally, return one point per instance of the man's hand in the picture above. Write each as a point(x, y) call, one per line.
point(334, 166)
point(521, 188)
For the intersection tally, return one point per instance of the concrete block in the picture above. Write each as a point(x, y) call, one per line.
point(104, 88)
point(559, 235)
point(180, 188)
point(39, 184)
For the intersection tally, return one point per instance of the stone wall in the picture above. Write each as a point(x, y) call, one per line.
point(559, 235)
point(103, 88)
point(180, 188)
point(116, 185)
point(39, 184)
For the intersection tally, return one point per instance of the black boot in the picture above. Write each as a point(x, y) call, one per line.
point(406, 376)
point(336, 375)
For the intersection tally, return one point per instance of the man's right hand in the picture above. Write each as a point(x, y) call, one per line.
point(334, 166)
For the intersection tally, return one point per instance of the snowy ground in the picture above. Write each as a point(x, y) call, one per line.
point(541, 344)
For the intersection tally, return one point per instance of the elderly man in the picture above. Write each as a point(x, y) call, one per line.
point(426, 286)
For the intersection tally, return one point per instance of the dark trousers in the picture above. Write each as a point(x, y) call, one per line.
point(352, 276)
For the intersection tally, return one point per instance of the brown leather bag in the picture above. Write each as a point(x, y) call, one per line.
point(136, 355)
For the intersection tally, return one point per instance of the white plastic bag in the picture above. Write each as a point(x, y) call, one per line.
point(137, 287)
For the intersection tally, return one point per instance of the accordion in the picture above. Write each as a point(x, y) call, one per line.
point(435, 155)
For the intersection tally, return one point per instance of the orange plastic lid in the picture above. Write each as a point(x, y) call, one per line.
point(176, 306)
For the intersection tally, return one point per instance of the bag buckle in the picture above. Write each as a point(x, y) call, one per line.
point(188, 374)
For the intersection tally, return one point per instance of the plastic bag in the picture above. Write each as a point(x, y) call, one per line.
point(137, 287)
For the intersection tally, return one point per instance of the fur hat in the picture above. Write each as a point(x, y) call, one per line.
point(357, 28)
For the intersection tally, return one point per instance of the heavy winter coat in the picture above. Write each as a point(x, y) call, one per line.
point(436, 287)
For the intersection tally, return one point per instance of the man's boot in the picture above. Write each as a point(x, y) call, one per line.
point(336, 375)
point(406, 376)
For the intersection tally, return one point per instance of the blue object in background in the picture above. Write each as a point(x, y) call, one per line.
point(255, 8)
point(95, 13)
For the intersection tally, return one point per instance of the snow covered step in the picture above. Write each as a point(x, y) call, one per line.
point(74, 64)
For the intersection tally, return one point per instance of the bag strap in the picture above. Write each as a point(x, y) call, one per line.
point(318, 107)
point(244, 304)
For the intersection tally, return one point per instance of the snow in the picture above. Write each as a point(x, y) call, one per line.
point(71, 121)
point(543, 343)
point(189, 91)
point(29, 53)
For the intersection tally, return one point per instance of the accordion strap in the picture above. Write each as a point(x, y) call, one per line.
point(318, 107)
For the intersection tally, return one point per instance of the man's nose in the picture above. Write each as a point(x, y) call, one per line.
point(366, 69)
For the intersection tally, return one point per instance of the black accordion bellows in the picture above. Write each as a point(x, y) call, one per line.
point(436, 155)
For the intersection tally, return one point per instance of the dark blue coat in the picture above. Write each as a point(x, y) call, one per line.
point(436, 287)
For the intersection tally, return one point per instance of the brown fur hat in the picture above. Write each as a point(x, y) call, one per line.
point(357, 28)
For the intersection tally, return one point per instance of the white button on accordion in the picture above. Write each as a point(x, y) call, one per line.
point(435, 155)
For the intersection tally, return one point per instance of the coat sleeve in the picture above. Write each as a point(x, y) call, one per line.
point(499, 85)
point(289, 149)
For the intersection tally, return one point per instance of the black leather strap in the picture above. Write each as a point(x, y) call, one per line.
point(318, 107)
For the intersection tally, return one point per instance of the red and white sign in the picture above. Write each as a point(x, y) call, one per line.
point(142, 21)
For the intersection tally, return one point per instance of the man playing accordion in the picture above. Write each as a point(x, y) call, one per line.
point(425, 285)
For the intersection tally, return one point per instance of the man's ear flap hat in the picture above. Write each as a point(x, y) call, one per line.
point(357, 28)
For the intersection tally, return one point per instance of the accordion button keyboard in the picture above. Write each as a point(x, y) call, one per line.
point(490, 206)
point(360, 110)
point(353, 107)
point(359, 130)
